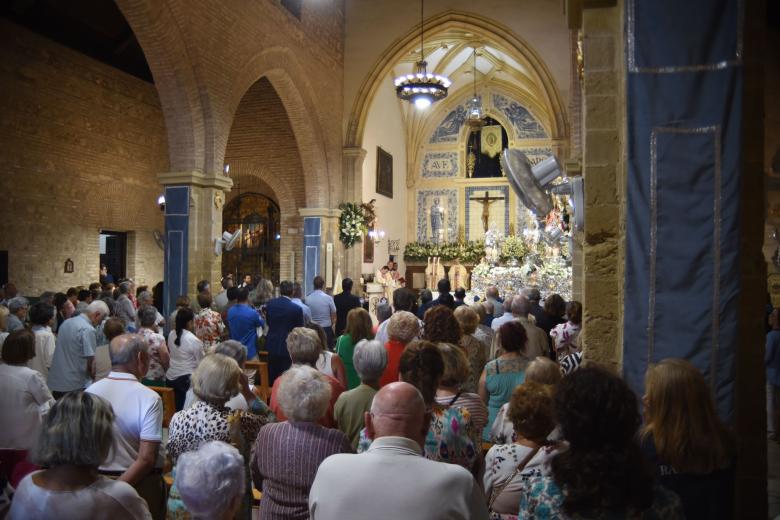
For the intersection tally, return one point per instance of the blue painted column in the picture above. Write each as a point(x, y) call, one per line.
point(177, 219)
point(312, 233)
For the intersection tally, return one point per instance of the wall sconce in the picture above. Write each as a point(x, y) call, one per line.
point(226, 170)
point(376, 235)
point(161, 202)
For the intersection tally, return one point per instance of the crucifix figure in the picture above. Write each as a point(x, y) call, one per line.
point(486, 201)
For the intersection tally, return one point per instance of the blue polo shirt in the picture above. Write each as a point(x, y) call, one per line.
point(243, 321)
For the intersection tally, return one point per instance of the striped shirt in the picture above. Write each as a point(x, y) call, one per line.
point(286, 459)
point(471, 402)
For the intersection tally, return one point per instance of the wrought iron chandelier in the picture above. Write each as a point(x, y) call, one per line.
point(421, 88)
point(476, 116)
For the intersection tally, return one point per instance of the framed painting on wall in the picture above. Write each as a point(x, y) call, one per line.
point(384, 173)
point(368, 248)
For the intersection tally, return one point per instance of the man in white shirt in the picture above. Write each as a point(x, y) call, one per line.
point(221, 300)
point(350, 486)
point(506, 316)
point(135, 456)
point(297, 294)
point(323, 309)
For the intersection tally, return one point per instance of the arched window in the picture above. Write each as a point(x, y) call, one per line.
point(256, 218)
point(479, 163)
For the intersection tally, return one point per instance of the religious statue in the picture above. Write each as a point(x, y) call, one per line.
point(433, 273)
point(437, 221)
point(486, 201)
point(471, 161)
point(458, 275)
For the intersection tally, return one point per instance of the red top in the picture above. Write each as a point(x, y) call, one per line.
point(394, 350)
point(326, 420)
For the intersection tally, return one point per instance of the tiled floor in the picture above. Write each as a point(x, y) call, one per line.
point(773, 479)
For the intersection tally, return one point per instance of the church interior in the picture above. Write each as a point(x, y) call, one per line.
point(623, 154)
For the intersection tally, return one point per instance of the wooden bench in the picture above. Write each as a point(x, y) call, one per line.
point(169, 403)
point(263, 388)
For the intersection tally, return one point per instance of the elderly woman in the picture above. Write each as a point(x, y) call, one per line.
point(209, 327)
point(476, 352)
point(305, 347)
point(541, 370)
point(566, 336)
point(246, 399)
point(217, 467)
point(159, 358)
point(501, 375)
point(186, 351)
point(216, 380)
point(145, 298)
point(440, 326)
point(508, 466)
point(287, 454)
point(24, 399)
point(370, 359)
point(402, 328)
point(451, 390)
point(602, 474)
point(75, 439)
point(358, 328)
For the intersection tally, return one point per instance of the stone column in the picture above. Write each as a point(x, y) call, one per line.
point(204, 224)
point(321, 248)
point(352, 264)
point(604, 172)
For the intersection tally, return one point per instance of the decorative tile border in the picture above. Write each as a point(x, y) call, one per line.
point(423, 197)
point(471, 190)
point(440, 164)
point(525, 125)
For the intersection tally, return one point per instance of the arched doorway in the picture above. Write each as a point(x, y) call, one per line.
point(257, 218)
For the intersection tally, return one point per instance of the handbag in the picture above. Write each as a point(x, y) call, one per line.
point(496, 492)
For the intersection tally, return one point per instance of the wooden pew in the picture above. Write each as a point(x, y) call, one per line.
point(263, 387)
point(169, 403)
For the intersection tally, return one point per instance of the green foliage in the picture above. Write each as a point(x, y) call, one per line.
point(466, 252)
point(353, 223)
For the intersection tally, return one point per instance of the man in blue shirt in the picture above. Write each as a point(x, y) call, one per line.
point(323, 309)
point(243, 321)
point(283, 315)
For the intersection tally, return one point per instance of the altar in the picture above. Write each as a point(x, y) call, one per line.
point(553, 277)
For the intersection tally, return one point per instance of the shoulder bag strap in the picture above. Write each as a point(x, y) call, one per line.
point(500, 488)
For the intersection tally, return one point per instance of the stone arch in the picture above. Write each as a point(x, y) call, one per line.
point(157, 30)
point(281, 68)
point(485, 28)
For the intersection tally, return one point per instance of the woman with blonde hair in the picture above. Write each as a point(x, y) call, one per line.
point(452, 390)
point(691, 449)
point(475, 351)
point(358, 328)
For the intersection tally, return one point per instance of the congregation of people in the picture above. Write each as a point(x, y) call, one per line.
point(429, 409)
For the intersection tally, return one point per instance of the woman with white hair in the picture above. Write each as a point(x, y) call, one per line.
point(217, 467)
point(214, 382)
point(287, 454)
point(369, 359)
point(75, 439)
point(304, 347)
point(159, 357)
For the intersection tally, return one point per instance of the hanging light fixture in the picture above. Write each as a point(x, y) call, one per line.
point(421, 88)
point(476, 115)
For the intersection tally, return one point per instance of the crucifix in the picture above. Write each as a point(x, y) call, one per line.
point(486, 201)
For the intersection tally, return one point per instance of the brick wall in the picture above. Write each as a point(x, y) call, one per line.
point(80, 146)
point(264, 158)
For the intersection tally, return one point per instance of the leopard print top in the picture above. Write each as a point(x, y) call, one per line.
point(206, 422)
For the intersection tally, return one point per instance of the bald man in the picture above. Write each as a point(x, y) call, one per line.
point(135, 455)
point(392, 479)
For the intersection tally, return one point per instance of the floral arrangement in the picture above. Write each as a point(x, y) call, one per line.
point(513, 247)
point(353, 223)
point(466, 252)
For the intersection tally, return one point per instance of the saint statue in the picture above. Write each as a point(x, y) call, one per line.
point(437, 221)
point(458, 275)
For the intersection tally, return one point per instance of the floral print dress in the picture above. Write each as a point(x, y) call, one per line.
point(451, 437)
point(209, 328)
point(156, 342)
